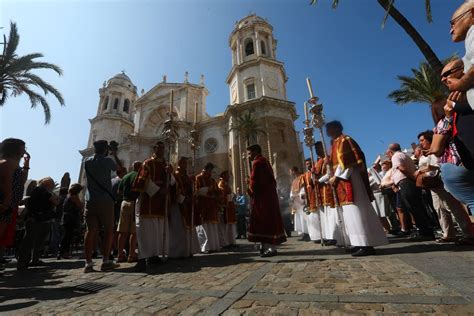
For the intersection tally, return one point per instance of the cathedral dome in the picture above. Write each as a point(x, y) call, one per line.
point(121, 79)
point(249, 20)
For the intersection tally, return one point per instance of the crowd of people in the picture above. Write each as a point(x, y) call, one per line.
point(158, 211)
point(411, 196)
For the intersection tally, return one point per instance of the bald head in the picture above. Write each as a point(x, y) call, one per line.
point(468, 4)
point(394, 147)
point(462, 19)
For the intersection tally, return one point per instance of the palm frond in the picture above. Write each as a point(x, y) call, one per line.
point(423, 86)
point(387, 12)
point(36, 98)
point(428, 11)
point(16, 77)
point(13, 40)
point(37, 81)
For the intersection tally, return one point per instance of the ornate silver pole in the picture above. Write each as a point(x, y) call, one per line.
point(318, 122)
point(194, 139)
point(170, 135)
point(309, 142)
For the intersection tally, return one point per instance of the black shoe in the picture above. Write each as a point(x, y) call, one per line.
point(422, 238)
point(140, 266)
point(330, 242)
point(268, 253)
point(364, 251)
point(36, 263)
point(317, 241)
point(154, 260)
point(352, 249)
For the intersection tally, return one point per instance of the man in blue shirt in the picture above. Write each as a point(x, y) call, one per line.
point(99, 204)
point(241, 207)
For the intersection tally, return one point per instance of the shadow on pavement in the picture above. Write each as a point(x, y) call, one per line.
point(36, 285)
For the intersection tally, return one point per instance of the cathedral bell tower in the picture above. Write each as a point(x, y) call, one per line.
point(255, 70)
point(257, 89)
point(115, 111)
point(114, 118)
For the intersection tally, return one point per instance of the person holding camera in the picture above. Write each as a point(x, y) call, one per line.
point(99, 204)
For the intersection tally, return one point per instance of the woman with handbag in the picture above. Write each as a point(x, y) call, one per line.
point(428, 177)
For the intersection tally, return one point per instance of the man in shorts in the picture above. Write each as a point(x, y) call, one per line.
point(99, 204)
point(126, 226)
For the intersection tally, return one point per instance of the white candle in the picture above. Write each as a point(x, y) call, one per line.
point(171, 102)
point(310, 88)
point(195, 112)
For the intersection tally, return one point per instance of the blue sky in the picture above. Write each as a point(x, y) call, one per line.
point(352, 62)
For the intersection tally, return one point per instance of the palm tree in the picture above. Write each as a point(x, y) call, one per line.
point(390, 9)
point(16, 77)
point(424, 86)
point(248, 128)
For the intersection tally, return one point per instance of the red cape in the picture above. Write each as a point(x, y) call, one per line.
point(266, 224)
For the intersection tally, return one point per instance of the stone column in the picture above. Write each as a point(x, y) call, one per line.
point(258, 50)
point(239, 52)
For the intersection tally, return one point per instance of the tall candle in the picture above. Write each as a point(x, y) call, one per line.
point(171, 102)
point(310, 88)
point(306, 111)
point(195, 112)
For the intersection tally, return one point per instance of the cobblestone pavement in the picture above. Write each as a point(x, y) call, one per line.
point(305, 279)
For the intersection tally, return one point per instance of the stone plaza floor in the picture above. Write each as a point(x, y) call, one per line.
point(304, 279)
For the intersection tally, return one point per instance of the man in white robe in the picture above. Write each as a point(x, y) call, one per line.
point(361, 222)
point(297, 197)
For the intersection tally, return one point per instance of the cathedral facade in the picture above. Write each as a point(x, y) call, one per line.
point(257, 89)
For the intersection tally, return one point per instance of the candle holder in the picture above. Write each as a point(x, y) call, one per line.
point(194, 139)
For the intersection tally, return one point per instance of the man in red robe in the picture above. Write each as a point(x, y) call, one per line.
point(207, 206)
point(229, 218)
point(266, 224)
point(151, 223)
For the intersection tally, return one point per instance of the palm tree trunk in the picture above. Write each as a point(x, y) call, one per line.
point(425, 49)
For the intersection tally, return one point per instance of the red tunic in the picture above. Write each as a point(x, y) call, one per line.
point(346, 153)
point(325, 191)
point(229, 206)
point(313, 198)
point(153, 169)
point(207, 206)
point(266, 224)
point(184, 186)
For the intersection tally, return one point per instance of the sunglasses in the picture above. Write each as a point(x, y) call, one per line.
point(451, 71)
point(459, 17)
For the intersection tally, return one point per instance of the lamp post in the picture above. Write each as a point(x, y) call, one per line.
point(318, 121)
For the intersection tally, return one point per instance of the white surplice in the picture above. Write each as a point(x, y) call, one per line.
point(208, 235)
point(150, 235)
point(361, 222)
point(314, 225)
point(181, 243)
point(300, 217)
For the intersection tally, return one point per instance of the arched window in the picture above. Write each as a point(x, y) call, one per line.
point(126, 106)
point(264, 49)
point(249, 47)
point(251, 91)
point(106, 103)
point(115, 104)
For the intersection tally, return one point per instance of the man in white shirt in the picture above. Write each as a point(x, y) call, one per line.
point(404, 179)
point(462, 30)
